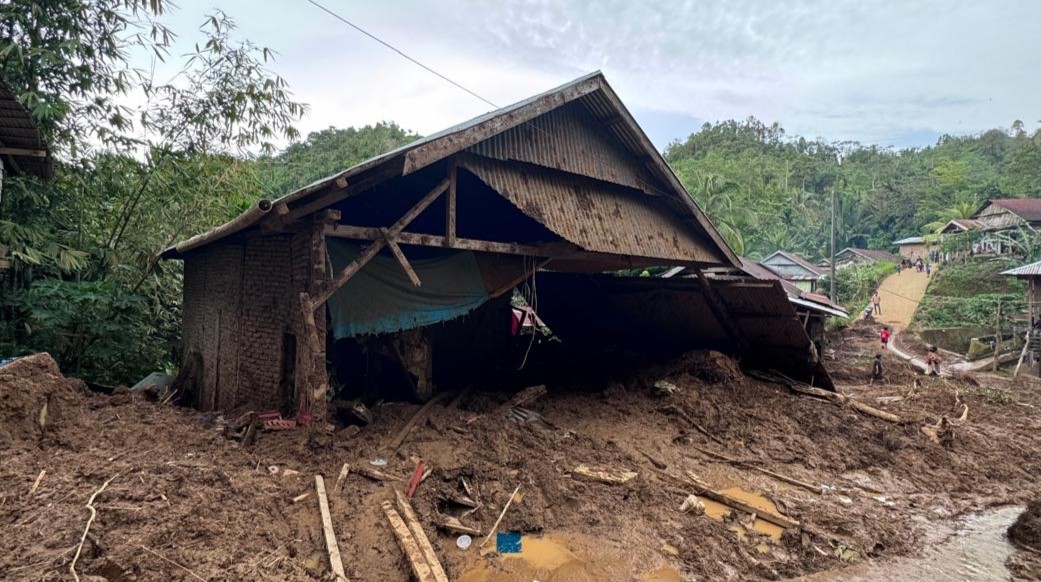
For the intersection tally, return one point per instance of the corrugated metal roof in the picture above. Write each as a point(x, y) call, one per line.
point(911, 240)
point(594, 215)
point(594, 93)
point(19, 131)
point(1028, 209)
point(815, 272)
point(871, 254)
point(1031, 270)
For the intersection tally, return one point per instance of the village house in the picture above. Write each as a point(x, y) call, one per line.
point(1001, 220)
point(399, 271)
point(959, 225)
point(853, 256)
point(1031, 355)
point(914, 247)
point(22, 149)
point(795, 269)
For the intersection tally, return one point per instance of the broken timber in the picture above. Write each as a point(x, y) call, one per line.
point(399, 438)
point(834, 397)
point(408, 545)
point(704, 490)
point(421, 537)
point(784, 478)
point(335, 562)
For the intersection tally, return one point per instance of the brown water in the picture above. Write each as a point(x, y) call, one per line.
point(718, 512)
point(561, 558)
point(976, 552)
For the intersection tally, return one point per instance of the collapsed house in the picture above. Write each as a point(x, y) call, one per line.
point(401, 269)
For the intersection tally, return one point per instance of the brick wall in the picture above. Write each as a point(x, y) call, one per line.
point(240, 298)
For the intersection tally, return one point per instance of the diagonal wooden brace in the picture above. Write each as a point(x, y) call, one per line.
point(400, 256)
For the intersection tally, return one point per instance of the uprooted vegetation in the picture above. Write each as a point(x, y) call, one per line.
point(184, 498)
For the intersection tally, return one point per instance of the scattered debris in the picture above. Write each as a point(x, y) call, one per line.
point(378, 462)
point(693, 505)
point(36, 483)
point(608, 475)
point(665, 388)
point(704, 490)
point(331, 546)
point(784, 478)
point(495, 526)
point(375, 475)
point(344, 470)
point(463, 542)
point(453, 525)
point(301, 497)
point(90, 521)
point(420, 414)
point(417, 476)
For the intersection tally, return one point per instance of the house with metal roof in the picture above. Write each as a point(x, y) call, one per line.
point(914, 247)
point(795, 269)
point(959, 225)
point(390, 269)
point(855, 256)
point(1001, 220)
point(1031, 273)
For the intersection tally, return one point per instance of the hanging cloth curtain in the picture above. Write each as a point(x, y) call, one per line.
point(380, 298)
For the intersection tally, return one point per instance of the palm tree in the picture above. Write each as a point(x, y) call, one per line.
point(714, 194)
point(959, 210)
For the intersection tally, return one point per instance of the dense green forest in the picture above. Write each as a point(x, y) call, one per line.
point(86, 284)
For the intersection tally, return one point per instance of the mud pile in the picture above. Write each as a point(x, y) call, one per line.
point(181, 493)
point(35, 399)
point(1026, 531)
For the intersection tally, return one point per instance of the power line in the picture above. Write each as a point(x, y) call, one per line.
point(400, 52)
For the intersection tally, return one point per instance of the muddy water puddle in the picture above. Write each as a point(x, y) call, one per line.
point(562, 558)
point(977, 551)
point(719, 512)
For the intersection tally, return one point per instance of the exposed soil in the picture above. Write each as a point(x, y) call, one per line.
point(187, 503)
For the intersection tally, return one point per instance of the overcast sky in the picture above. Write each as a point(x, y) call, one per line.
point(892, 72)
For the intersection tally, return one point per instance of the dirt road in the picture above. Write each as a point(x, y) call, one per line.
point(901, 293)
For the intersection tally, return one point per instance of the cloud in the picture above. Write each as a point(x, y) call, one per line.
point(877, 71)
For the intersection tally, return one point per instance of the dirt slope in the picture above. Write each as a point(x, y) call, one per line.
point(900, 293)
point(184, 498)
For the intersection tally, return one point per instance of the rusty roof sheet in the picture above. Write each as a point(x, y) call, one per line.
point(596, 216)
point(591, 91)
point(1026, 271)
point(814, 270)
point(1029, 209)
point(18, 130)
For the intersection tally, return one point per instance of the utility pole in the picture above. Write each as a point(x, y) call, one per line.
point(997, 339)
point(832, 261)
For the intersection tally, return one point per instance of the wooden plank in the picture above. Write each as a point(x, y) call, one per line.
point(421, 537)
point(335, 562)
point(408, 545)
point(400, 256)
point(23, 152)
point(719, 497)
point(450, 213)
point(341, 477)
point(464, 244)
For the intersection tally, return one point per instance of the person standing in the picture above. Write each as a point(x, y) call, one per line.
point(876, 369)
point(884, 336)
point(928, 269)
point(932, 361)
point(876, 300)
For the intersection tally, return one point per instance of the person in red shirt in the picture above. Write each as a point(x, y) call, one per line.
point(885, 337)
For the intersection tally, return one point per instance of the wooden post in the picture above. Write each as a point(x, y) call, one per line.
point(450, 213)
point(400, 256)
point(997, 339)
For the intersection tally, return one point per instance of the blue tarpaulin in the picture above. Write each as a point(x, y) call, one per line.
point(380, 298)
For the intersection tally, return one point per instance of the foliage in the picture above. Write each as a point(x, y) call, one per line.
point(778, 188)
point(86, 282)
point(326, 152)
point(967, 295)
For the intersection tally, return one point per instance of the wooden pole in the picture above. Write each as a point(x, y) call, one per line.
point(335, 562)
point(408, 545)
point(997, 339)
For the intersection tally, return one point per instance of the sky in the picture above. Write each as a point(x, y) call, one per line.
point(891, 73)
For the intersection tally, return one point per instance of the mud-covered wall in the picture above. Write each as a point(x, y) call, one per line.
point(241, 314)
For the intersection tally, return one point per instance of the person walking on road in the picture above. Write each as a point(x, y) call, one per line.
point(884, 336)
point(876, 300)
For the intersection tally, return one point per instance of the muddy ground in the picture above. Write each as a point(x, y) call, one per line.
point(183, 502)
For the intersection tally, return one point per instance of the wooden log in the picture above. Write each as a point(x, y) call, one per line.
point(704, 490)
point(421, 537)
point(784, 478)
point(420, 414)
point(842, 399)
point(408, 544)
point(335, 562)
point(374, 474)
